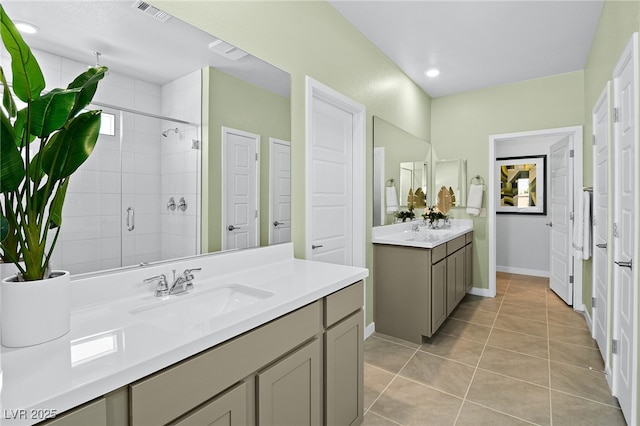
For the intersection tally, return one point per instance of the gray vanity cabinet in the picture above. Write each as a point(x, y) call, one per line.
point(288, 392)
point(228, 409)
point(468, 262)
point(416, 289)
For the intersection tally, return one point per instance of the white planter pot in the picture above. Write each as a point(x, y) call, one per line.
point(7, 270)
point(34, 312)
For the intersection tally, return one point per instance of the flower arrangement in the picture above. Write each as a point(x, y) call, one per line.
point(404, 215)
point(432, 214)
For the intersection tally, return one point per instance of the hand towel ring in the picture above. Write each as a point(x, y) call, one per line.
point(478, 180)
point(391, 182)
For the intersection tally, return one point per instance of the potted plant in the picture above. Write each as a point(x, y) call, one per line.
point(433, 215)
point(44, 141)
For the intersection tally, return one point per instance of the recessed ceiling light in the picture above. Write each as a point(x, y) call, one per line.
point(25, 27)
point(433, 72)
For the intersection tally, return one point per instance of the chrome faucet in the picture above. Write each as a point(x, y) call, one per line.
point(183, 282)
point(162, 287)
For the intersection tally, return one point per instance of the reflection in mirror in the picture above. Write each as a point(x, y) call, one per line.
point(402, 162)
point(450, 181)
point(152, 188)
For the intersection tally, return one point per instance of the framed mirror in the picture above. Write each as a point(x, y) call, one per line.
point(152, 189)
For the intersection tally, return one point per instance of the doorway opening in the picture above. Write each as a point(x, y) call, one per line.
point(502, 145)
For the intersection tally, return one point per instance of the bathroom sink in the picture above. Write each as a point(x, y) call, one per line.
point(190, 310)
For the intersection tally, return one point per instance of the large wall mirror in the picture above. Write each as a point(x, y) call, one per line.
point(402, 166)
point(195, 132)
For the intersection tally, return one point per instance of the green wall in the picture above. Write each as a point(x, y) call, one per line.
point(312, 38)
point(231, 102)
point(462, 124)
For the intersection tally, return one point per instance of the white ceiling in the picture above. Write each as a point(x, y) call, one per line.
point(477, 44)
point(131, 42)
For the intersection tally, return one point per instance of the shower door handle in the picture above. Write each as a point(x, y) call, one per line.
point(131, 219)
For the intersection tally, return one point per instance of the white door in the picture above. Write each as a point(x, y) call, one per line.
point(239, 189)
point(625, 238)
point(335, 177)
point(561, 205)
point(601, 223)
point(279, 191)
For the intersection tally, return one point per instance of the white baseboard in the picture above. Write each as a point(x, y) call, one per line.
point(369, 330)
point(523, 271)
point(480, 292)
point(587, 318)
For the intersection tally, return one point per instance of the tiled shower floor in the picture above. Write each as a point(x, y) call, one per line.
point(522, 358)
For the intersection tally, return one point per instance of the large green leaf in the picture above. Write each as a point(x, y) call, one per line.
point(87, 82)
point(7, 100)
point(51, 111)
point(11, 166)
point(55, 215)
point(28, 81)
point(4, 228)
point(71, 146)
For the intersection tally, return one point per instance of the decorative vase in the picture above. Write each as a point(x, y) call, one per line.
point(34, 312)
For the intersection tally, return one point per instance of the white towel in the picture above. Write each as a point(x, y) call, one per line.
point(582, 227)
point(474, 200)
point(392, 199)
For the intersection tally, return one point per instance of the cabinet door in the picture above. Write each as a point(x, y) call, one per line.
point(438, 294)
point(344, 365)
point(455, 279)
point(228, 409)
point(289, 391)
point(468, 267)
point(93, 413)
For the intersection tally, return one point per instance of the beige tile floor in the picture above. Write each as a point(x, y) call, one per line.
point(522, 358)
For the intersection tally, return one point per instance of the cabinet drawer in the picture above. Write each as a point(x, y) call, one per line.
point(206, 375)
point(455, 244)
point(343, 302)
point(468, 237)
point(228, 409)
point(438, 253)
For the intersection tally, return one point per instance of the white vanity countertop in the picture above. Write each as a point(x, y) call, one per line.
point(109, 347)
point(402, 234)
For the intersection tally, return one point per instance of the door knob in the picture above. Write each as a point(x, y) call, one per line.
point(549, 224)
point(625, 264)
point(276, 223)
point(313, 246)
point(604, 246)
point(231, 227)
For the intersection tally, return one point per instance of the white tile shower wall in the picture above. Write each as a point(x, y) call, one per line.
point(95, 209)
point(180, 166)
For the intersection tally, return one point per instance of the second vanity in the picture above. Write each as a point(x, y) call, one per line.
point(420, 276)
point(262, 338)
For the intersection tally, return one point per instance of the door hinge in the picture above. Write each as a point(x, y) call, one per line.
point(195, 144)
point(593, 139)
point(594, 302)
point(571, 216)
point(570, 279)
point(614, 346)
point(256, 215)
point(571, 153)
point(593, 220)
point(256, 156)
point(616, 115)
point(615, 230)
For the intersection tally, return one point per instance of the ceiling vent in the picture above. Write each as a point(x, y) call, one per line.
point(147, 9)
point(227, 50)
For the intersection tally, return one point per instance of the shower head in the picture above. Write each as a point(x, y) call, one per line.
point(166, 132)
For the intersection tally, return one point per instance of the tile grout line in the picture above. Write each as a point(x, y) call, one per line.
point(395, 376)
point(484, 347)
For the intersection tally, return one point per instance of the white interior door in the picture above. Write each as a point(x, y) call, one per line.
point(625, 237)
point(561, 205)
point(331, 185)
point(280, 191)
point(335, 173)
point(601, 224)
point(239, 189)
